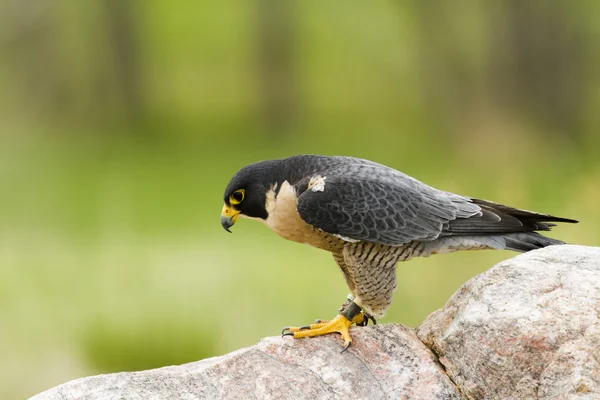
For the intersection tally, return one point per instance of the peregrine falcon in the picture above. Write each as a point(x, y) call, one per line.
point(370, 217)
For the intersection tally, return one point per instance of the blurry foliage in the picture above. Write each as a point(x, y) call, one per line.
point(122, 121)
point(121, 347)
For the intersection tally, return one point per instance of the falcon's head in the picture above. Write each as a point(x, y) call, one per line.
point(246, 192)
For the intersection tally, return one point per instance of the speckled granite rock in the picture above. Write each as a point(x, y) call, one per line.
point(527, 328)
point(385, 361)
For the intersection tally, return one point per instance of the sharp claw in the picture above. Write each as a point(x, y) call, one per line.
point(340, 324)
point(346, 346)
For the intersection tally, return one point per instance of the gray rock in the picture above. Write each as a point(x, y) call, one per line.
point(527, 328)
point(385, 361)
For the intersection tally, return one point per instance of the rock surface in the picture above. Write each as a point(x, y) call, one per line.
point(527, 328)
point(385, 361)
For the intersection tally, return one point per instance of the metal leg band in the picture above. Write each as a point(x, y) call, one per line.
point(351, 311)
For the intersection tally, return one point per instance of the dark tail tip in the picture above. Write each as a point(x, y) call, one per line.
point(527, 241)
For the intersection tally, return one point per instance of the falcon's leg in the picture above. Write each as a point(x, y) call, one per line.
point(366, 315)
point(347, 273)
point(322, 322)
point(352, 314)
point(373, 271)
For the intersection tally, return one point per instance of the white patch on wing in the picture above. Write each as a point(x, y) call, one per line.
point(347, 239)
point(317, 183)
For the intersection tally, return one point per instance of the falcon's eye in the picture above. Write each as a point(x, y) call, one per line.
point(237, 196)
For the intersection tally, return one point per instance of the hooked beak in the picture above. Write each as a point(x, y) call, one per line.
point(228, 217)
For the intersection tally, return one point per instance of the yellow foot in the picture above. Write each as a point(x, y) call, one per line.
point(339, 324)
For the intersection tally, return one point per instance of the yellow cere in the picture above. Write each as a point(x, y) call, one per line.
point(229, 212)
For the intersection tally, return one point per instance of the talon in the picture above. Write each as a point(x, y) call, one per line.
point(347, 346)
point(339, 324)
point(352, 314)
point(304, 327)
point(367, 318)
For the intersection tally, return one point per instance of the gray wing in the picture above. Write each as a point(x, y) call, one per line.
point(381, 206)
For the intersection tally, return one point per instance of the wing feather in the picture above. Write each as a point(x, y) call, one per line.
point(388, 211)
point(365, 201)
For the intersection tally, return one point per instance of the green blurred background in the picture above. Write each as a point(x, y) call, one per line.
point(122, 121)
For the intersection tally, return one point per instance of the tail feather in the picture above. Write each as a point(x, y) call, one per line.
point(527, 241)
point(496, 219)
point(496, 227)
point(523, 214)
